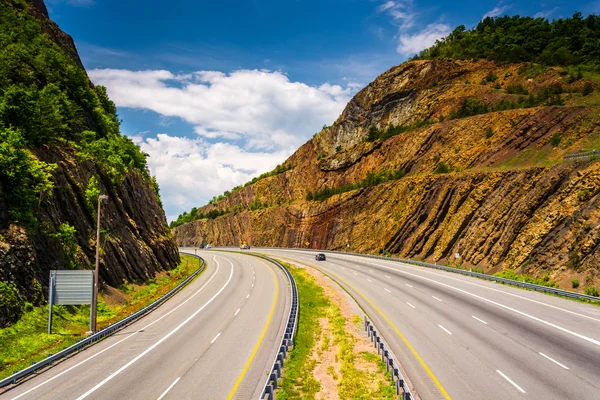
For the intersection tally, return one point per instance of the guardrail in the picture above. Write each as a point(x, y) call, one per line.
point(386, 357)
point(531, 286)
point(287, 339)
point(588, 154)
point(101, 334)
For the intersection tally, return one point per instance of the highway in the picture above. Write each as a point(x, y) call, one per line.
point(464, 338)
point(215, 339)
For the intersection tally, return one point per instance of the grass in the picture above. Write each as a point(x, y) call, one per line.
point(27, 341)
point(298, 381)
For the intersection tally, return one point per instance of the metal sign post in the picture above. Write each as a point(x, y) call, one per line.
point(70, 288)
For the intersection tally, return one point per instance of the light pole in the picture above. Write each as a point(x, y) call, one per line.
point(95, 297)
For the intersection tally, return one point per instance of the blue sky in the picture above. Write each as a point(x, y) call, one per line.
point(220, 91)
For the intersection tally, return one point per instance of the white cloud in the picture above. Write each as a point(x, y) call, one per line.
point(496, 11)
point(192, 171)
point(386, 6)
point(247, 122)
point(546, 14)
point(263, 107)
point(413, 43)
point(402, 12)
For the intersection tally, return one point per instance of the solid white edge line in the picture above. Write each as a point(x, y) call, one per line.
point(149, 349)
point(169, 388)
point(216, 337)
point(387, 290)
point(122, 340)
point(436, 298)
point(553, 360)
point(410, 305)
point(510, 381)
point(236, 313)
point(408, 285)
point(488, 287)
point(480, 320)
point(447, 331)
point(560, 328)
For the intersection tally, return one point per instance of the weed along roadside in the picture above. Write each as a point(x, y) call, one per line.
point(27, 342)
point(332, 357)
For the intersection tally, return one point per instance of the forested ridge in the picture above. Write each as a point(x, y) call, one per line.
point(561, 42)
point(46, 99)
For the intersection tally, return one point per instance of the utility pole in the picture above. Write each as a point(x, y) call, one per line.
point(96, 272)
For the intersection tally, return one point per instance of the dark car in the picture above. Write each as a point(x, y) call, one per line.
point(320, 257)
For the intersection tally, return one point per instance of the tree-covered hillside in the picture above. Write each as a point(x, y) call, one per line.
point(46, 99)
point(562, 42)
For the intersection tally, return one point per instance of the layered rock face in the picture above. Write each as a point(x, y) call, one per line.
point(135, 243)
point(491, 187)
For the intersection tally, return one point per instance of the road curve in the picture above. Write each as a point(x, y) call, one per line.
point(464, 338)
point(215, 339)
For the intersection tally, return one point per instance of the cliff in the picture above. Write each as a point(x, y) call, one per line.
point(434, 158)
point(60, 147)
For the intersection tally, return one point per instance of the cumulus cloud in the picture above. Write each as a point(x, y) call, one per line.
point(496, 11)
point(401, 11)
point(247, 122)
point(263, 107)
point(192, 171)
point(414, 43)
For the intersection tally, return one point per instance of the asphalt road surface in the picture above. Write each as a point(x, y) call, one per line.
point(465, 338)
point(215, 339)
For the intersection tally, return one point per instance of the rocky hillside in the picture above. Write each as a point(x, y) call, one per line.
point(60, 147)
point(434, 158)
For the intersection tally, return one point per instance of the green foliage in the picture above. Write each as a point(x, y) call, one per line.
point(563, 42)
point(587, 89)
point(23, 178)
point(194, 215)
point(66, 237)
point(469, 106)
point(489, 132)
point(491, 77)
point(11, 304)
point(592, 291)
point(517, 89)
point(510, 274)
point(584, 195)
point(575, 283)
point(92, 191)
point(555, 139)
point(441, 169)
point(371, 179)
point(279, 169)
point(374, 134)
point(46, 98)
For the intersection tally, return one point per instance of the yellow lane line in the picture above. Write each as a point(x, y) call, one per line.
point(406, 342)
point(260, 339)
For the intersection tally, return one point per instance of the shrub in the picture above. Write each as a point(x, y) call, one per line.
point(11, 304)
point(587, 89)
point(592, 291)
point(575, 283)
point(469, 106)
point(441, 169)
point(92, 191)
point(517, 89)
point(555, 139)
point(65, 235)
point(489, 132)
point(491, 77)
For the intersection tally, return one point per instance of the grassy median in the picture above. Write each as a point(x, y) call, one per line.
point(27, 341)
point(330, 357)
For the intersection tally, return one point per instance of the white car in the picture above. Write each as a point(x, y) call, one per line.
point(208, 246)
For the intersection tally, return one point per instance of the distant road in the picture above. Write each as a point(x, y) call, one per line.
point(464, 338)
point(216, 339)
